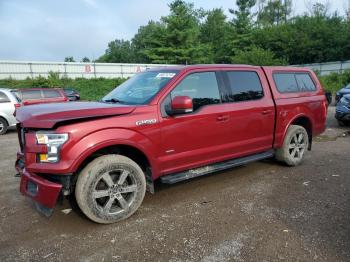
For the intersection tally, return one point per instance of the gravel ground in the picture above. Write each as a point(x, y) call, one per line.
point(263, 211)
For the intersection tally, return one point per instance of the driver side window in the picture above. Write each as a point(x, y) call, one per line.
point(201, 87)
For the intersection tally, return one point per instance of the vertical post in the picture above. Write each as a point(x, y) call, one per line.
point(95, 69)
point(121, 70)
point(65, 70)
point(341, 67)
point(31, 69)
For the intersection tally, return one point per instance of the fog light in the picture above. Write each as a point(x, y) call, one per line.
point(32, 188)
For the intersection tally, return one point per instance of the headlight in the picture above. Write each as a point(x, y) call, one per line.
point(53, 143)
point(344, 101)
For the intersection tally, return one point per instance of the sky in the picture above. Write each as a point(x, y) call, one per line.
point(50, 30)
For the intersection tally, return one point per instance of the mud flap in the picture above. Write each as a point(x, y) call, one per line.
point(43, 209)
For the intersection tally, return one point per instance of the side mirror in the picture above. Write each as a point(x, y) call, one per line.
point(180, 105)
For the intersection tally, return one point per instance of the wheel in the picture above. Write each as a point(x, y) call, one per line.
point(343, 123)
point(294, 146)
point(3, 126)
point(110, 188)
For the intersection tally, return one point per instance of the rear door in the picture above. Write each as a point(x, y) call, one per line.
point(250, 109)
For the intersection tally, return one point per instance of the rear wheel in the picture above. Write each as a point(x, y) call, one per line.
point(111, 188)
point(3, 126)
point(294, 146)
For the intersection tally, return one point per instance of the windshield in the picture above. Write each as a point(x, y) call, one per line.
point(347, 87)
point(141, 88)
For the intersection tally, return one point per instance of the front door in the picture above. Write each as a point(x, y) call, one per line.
point(196, 138)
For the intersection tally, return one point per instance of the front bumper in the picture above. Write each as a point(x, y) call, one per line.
point(342, 112)
point(41, 190)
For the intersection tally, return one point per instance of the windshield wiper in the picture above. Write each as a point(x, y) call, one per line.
point(113, 100)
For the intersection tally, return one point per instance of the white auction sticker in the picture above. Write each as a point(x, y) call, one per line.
point(165, 75)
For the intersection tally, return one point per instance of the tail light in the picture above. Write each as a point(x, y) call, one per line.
point(16, 106)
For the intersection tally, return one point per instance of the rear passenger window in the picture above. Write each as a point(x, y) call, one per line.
point(305, 82)
point(201, 87)
point(4, 98)
point(51, 93)
point(293, 82)
point(31, 94)
point(243, 86)
point(286, 82)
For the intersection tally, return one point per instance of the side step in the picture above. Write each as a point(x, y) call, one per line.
point(201, 171)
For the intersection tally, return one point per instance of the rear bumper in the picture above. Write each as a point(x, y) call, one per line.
point(41, 190)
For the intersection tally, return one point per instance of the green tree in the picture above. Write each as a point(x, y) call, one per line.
point(85, 59)
point(243, 16)
point(275, 12)
point(182, 43)
point(69, 59)
point(257, 56)
point(118, 51)
point(218, 35)
point(148, 42)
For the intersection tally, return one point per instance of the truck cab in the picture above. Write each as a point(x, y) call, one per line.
point(167, 124)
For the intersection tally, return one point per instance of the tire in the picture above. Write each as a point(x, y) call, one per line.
point(110, 188)
point(295, 145)
point(3, 126)
point(342, 123)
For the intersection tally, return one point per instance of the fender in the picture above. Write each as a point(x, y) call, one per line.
point(280, 138)
point(116, 136)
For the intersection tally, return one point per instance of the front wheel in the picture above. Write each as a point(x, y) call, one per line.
point(294, 146)
point(110, 188)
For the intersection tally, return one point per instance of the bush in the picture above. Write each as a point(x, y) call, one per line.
point(89, 89)
point(334, 81)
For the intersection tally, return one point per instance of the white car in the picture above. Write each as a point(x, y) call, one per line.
point(8, 104)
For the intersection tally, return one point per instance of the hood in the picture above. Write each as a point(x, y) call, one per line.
point(344, 90)
point(48, 115)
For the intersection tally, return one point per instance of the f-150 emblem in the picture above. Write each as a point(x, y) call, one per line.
point(146, 122)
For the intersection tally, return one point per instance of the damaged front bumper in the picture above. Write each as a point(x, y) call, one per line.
point(44, 192)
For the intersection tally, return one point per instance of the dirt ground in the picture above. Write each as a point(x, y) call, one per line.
point(259, 212)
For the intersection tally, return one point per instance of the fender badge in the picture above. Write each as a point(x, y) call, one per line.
point(146, 122)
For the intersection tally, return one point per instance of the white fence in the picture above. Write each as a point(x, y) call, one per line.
point(328, 67)
point(24, 69)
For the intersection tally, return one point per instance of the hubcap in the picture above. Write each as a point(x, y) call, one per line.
point(115, 191)
point(297, 146)
point(1, 126)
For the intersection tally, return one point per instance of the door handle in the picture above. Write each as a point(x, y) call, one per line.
point(222, 118)
point(266, 112)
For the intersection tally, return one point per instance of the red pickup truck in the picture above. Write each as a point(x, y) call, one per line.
point(167, 124)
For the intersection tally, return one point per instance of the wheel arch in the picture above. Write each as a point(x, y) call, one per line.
point(304, 121)
point(126, 149)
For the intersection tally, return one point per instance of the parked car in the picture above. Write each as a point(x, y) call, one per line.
point(345, 90)
point(168, 124)
point(31, 96)
point(342, 110)
point(72, 94)
point(8, 104)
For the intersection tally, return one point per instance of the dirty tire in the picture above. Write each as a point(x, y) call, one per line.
point(110, 188)
point(3, 126)
point(294, 146)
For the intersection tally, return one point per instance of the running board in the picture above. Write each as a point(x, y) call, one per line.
point(201, 171)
